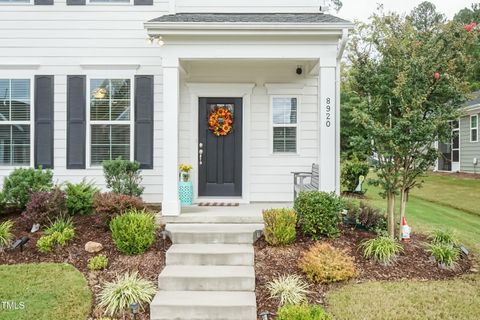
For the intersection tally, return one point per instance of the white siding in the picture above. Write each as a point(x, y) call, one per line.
point(60, 39)
point(270, 174)
point(248, 5)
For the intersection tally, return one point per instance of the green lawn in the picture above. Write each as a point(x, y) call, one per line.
point(47, 292)
point(444, 202)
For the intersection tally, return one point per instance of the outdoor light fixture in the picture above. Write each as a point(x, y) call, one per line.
point(464, 250)
point(20, 243)
point(156, 39)
point(135, 307)
point(257, 234)
point(265, 315)
point(164, 235)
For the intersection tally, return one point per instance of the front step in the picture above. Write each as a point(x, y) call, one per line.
point(202, 305)
point(207, 278)
point(213, 233)
point(210, 254)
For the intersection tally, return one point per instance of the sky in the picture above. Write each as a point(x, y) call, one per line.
point(362, 9)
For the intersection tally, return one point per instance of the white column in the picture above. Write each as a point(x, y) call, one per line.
point(171, 97)
point(329, 157)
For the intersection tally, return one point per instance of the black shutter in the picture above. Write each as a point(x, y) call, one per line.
point(76, 2)
point(43, 2)
point(143, 2)
point(76, 121)
point(144, 121)
point(43, 139)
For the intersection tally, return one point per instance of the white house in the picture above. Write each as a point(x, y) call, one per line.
point(82, 81)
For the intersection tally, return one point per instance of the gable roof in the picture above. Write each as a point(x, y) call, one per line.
point(254, 18)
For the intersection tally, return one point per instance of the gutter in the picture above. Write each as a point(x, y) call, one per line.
point(343, 44)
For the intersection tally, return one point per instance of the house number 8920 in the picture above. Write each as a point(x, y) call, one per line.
point(328, 113)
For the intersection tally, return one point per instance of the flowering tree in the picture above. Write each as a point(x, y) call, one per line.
point(413, 79)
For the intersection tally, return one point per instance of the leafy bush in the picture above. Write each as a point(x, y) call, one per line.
point(302, 312)
point(45, 206)
point(99, 262)
point(109, 205)
point(443, 237)
point(58, 233)
point(280, 226)
point(324, 264)
point(446, 255)
point(383, 249)
point(116, 297)
point(6, 235)
point(372, 219)
point(18, 186)
point(80, 197)
point(123, 176)
point(133, 232)
point(319, 213)
point(288, 289)
point(351, 172)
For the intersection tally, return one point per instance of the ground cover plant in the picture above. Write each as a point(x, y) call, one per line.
point(6, 235)
point(289, 289)
point(58, 233)
point(302, 312)
point(96, 263)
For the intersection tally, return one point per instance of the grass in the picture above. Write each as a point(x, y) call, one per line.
point(48, 292)
point(444, 202)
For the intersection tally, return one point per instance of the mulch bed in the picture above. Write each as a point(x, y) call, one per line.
point(413, 264)
point(149, 265)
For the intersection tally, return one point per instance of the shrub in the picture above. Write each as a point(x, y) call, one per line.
point(352, 212)
point(123, 176)
point(383, 249)
point(324, 264)
point(45, 206)
point(318, 213)
point(117, 296)
point(351, 172)
point(6, 235)
point(446, 255)
point(280, 226)
point(109, 205)
point(443, 237)
point(302, 312)
point(288, 289)
point(372, 218)
point(58, 233)
point(80, 197)
point(133, 232)
point(99, 262)
point(18, 186)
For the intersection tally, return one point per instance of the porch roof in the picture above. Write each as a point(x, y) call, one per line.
point(254, 18)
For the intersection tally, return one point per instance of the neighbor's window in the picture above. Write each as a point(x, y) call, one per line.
point(15, 122)
point(474, 128)
point(108, 1)
point(15, 1)
point(284, 113)
point(110, 119)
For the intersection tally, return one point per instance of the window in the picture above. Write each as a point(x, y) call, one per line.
point(15, 106)
point(110, 120)
point(284, 113)
point(474, 128)
point(15, 1)
point(109, 1)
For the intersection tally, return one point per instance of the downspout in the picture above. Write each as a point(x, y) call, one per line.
point(341, 49)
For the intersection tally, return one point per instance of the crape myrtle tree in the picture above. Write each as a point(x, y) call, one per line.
point(413, 79)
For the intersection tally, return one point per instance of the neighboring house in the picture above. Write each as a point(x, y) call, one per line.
point(462, 154)
point(82, 81)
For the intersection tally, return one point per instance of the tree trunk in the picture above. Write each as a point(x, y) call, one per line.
point(403, 206)
point(391, 213)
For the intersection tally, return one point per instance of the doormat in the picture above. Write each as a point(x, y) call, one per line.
point(218, 204)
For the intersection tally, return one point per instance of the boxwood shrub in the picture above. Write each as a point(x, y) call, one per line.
point(133, 232)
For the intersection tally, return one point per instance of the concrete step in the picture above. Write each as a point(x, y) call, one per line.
point(211, 254)
point(214, 217)
point(201, 305)
point(213, 233)
point(207, 278)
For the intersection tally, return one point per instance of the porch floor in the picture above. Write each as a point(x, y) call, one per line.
point(244, 213)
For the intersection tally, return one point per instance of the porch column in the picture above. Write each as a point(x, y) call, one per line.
point(171, 96)
point(329, 157)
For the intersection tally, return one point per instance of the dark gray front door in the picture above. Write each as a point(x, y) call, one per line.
point(220, 152)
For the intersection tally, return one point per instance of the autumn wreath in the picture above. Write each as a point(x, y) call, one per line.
point(220, 121)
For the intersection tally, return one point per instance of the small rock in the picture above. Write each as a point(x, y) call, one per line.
point(93, 247)
point(474, 270)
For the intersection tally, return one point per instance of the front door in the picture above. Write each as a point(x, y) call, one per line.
point(220, 147)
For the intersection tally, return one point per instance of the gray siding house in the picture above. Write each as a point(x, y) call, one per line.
point(462, 154)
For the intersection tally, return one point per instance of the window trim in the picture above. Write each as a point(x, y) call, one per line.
point(272, 125)
point(31, 123)
point(473, 128)
point(131, 122)
point(29, 3)
point(114, 3)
